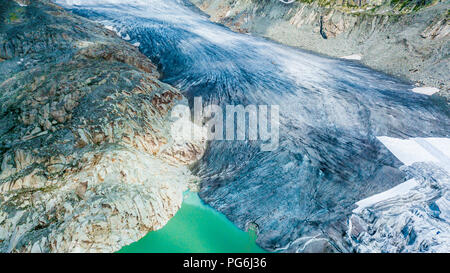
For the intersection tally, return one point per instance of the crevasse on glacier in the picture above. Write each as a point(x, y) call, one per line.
point(331, 112)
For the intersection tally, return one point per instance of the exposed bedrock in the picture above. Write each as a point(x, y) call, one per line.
point(409, 39)
point(87, 160)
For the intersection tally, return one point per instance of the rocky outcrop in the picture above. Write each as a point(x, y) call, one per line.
point(409, 39)
point(88, 163)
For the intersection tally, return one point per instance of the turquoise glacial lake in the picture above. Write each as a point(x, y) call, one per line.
point(196, 228)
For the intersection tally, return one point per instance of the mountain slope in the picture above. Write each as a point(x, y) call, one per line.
point(87, 161)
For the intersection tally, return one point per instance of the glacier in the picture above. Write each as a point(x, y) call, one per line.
point(332, 155)
point(413, 216)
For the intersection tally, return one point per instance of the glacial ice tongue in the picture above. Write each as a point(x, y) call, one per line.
point(331, 112)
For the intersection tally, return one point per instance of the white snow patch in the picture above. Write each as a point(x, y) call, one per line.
point(389, 194)
point(425, 90)
point(137, 44)
point(112, 29)
point(443, 143)
point(436, 150)
point(21, 4)
point(356, 57)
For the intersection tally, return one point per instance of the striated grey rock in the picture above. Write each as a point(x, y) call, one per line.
point(87, 160)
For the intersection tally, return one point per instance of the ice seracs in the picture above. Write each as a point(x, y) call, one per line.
point(413, 216)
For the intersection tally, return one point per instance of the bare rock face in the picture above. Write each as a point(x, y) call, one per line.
point(87, 159)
